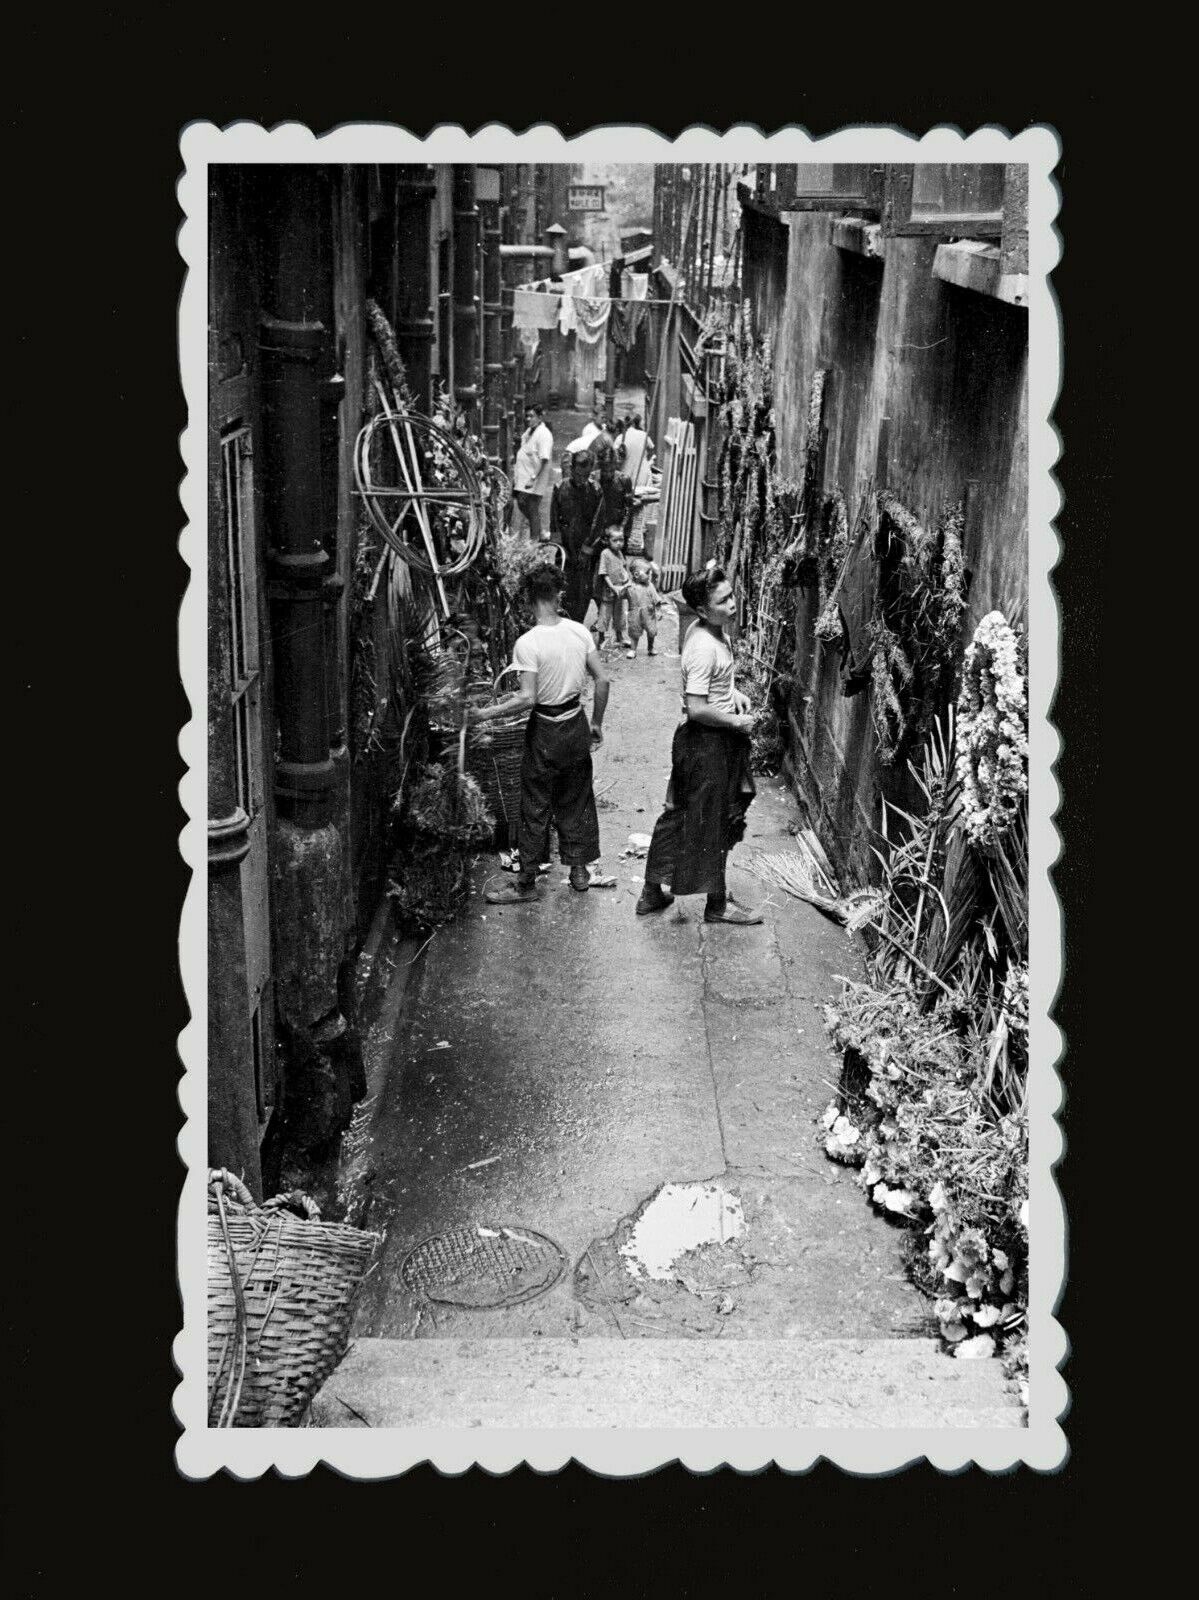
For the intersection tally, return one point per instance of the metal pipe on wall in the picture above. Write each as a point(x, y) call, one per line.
point(493, 352)
point(466, 293)
point(296, 366)
point(414, 191)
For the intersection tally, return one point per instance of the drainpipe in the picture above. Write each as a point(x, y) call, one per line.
point(493, 351)
point(466, 292)
point(555, 238)
point(299, 393)
point(232, 1101)
point(507, 338)
point(294, 350)
point(415, 189)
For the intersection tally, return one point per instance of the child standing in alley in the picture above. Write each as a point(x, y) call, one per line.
point(644, 603)
point(612, 584)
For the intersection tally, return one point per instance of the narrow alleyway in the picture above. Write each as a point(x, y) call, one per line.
point(551, 1067)
point(588, 1056)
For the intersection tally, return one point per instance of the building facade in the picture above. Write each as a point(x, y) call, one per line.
point(298, 799)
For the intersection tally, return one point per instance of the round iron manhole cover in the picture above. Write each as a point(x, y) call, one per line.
point(489, 1264)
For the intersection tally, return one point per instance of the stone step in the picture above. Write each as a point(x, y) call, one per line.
point(662, 1383)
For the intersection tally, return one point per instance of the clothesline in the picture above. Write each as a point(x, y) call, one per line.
point(611, 299)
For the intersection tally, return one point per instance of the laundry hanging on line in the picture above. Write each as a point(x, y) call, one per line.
point(627, 317)
point(535, 311)
point(591, 318)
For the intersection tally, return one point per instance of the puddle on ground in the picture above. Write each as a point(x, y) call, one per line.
point(680, 1217)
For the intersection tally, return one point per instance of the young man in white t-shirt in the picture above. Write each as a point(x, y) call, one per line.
point(554, 658)
point(533, 469)
point(711, 779)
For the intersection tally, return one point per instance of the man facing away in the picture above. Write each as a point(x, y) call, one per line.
point(637, 448)
point(554, 659)
point(573, 506)
point(533, 468)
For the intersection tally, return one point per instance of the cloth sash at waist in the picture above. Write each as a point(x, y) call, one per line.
point(559, 712)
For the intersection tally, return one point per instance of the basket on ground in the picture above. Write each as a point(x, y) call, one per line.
point(277, 1329)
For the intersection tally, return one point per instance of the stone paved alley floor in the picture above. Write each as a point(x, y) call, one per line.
point(550, 1068)
point(596, 1055)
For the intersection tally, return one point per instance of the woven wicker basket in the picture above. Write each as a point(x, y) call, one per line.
point(495, 764)
point(298, 1278)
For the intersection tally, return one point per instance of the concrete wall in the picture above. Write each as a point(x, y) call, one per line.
point(928, 397)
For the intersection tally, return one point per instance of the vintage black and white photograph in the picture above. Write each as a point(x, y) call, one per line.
point(621, 944)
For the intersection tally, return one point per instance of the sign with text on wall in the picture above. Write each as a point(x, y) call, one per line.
point(585, 196)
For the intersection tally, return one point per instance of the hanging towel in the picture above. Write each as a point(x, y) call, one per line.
point(568, 314)
point(634, 285)
point(591, 319)
point(531, 310)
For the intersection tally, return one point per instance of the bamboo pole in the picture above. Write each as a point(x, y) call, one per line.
point(666, 330)
point(701, 234)
point(707, 293)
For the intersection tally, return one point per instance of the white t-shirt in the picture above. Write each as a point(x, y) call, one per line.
point(531, 475)
point(636, 464)
point(557, 652)
point(707, 668)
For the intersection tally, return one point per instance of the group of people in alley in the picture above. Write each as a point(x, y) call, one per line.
point(592, 517)
point(711, 783)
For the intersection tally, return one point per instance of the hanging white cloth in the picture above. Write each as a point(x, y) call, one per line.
point(568, 314)
point(634, 285)
point(591, 317)
point(530, 339)
point(530, 310)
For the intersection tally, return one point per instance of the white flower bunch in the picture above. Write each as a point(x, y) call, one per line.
point(980, 1276)
point(1015, 996)
point(843, 1137)
point(992, 732)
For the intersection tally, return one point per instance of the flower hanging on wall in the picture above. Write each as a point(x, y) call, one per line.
point(992, 732)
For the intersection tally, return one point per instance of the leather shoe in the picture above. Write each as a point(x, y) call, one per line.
point(512, 894)
point(653, 900)
point(580, 878)
point(735, 914)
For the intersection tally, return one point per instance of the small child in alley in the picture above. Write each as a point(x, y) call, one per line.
point(645, 603)
point(612, 585)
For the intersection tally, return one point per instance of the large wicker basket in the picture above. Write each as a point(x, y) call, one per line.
point(494, 761)
point(277, 1331)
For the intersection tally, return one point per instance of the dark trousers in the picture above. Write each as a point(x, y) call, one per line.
point(530, 504)
point(555, 786)
point(709, 792)
point(576, 597)
point(661, 864)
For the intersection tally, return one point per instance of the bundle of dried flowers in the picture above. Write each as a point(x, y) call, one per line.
point(992, 732)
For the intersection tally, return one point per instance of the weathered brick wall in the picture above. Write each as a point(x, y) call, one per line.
point(927, 396)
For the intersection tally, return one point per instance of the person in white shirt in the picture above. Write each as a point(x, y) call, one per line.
point(554, 659)
point(533, 468)
point(711, 781)
point(638, 447)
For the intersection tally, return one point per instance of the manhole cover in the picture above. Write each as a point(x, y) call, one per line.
point(490, 1264)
